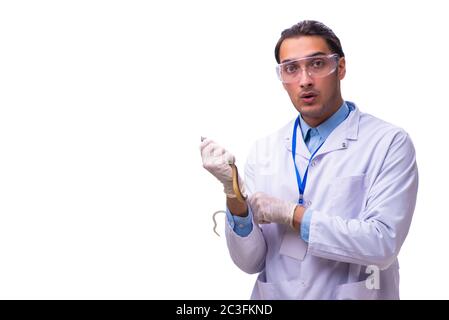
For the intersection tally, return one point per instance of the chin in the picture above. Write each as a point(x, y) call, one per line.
point(311, 109)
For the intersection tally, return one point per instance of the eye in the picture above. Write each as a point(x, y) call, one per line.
point(318, 63)
point(290, 68)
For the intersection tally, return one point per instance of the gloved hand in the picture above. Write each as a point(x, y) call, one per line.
point(216, 160)
point(268, 209)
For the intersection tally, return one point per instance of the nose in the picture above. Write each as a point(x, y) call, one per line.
point(306, 80)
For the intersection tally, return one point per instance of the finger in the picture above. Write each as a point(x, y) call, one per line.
point(259, 219)
point(205, 143)
point(251, 201)
point(209, 151)
point(217, 155)
point(257, 197)
point(228, 158)
point(216, 164)
point(212, 150)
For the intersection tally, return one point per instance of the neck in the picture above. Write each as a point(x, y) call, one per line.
point(316, 121)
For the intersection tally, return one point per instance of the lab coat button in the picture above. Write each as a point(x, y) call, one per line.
point(309, 203)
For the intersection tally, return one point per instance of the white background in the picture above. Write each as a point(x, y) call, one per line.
point(102, 105)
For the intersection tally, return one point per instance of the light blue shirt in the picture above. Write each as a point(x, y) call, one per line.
point(313, 137)
point(241, 225)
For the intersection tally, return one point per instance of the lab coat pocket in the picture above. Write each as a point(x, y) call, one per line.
point(292, 245)
point(356, 291)
point(284, 290)
point(348, 196)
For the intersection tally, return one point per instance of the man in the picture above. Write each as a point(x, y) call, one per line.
point(331, 194)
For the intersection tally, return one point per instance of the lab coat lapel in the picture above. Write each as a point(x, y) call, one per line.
point(301, 148)
point(340, 137)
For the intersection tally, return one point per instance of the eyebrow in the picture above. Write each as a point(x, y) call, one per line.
point(318, 53)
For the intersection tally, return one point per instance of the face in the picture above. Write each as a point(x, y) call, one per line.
point(315, 98)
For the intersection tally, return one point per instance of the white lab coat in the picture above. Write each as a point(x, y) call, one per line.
point(362, 188)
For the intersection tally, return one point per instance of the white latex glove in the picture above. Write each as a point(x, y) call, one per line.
point(216, 160)
point(268, 209)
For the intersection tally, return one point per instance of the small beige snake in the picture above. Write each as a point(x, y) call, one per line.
point(235, 186)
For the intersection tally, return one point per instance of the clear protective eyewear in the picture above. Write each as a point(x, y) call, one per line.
point(316, 67)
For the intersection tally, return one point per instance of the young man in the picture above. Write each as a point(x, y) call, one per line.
point(331, 194)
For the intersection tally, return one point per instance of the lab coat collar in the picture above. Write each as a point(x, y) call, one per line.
point(338, 139)
point(325, 128)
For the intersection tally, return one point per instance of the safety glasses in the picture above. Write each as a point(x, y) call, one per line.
point(315, 66)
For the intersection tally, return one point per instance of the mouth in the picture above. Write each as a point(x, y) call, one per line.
point(308, 97)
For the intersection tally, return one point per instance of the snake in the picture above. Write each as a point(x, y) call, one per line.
point(238, 193)
point(235, 184)
point(235, 187)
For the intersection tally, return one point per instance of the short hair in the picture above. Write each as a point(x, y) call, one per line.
point(310, 28)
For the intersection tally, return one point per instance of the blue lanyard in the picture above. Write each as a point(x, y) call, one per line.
point(301, 184)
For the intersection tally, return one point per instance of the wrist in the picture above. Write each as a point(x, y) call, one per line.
point(298, 214)
point(236, 207)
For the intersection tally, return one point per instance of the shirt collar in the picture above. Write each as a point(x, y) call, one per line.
point(325, 129)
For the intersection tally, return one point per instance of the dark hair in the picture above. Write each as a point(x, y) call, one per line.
point(310, 28)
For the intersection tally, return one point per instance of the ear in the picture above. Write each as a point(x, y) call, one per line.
point(341, 68)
